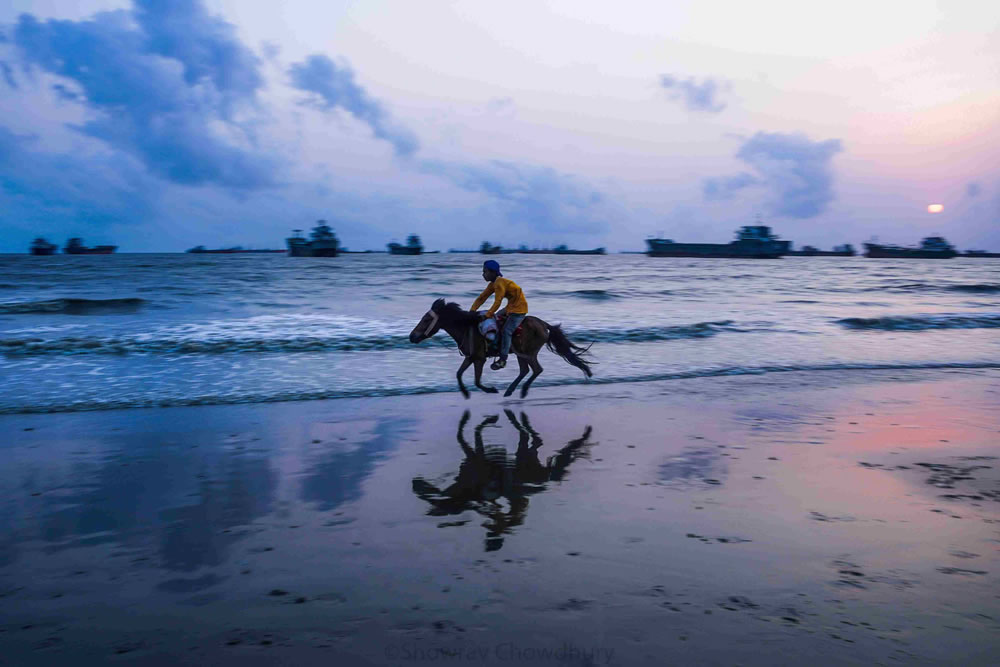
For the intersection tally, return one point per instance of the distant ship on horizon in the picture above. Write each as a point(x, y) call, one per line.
point(200, 249)
point(931, 247)
point(752, 242)
point(558, 250)
point(412, 247)
point(42, 247)
point(845, 250)
point(322, 242)
point(75, 247)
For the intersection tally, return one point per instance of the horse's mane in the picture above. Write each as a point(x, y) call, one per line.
point(454, 313)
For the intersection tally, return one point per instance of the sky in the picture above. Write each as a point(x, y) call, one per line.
point(158, 125)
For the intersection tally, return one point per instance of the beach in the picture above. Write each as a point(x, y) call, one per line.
point(836, 517)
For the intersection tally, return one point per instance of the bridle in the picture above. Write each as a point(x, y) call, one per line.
point(433, 323)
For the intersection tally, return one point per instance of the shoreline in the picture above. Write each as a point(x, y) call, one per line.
point(845, 518)
point(337, 395)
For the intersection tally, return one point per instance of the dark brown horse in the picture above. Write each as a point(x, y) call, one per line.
point(463, 327)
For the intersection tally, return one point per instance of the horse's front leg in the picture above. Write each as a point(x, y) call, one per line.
point(461, 369)
point(479, 376)
point(524, 371)
point(536, 370)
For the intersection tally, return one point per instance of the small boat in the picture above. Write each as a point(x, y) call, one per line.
point(75, 247)
point(932, 247)
point(845, 250)
point(412, 247)
point(322, 242)
point(42, 247)
point(488, 248)
point(752, 242)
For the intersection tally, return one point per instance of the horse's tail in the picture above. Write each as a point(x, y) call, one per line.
point(560, 343)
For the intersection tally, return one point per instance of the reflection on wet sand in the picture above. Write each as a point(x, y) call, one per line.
point(488, 476)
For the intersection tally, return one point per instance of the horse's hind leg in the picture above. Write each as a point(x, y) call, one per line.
point(458, 376)
point(479, 377)
point(536, 370)
point(523, 363)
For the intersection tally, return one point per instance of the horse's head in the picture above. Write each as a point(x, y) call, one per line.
point(429, 324)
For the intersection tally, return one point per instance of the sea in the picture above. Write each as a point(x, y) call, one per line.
point(143, 330)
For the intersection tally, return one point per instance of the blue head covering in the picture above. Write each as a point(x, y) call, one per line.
point(492, 265)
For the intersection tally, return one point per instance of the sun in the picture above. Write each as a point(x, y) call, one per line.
point(935, 208)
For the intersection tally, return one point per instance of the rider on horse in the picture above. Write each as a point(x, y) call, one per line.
point(517, 306)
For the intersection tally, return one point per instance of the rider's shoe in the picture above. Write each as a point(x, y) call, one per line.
point(498, 364)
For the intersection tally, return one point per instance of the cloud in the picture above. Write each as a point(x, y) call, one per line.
point(537, 197)
point(796, 172)
point(695, 96)
point(973, 190)
point(335, 88)
point(40, 190)
point(725, 187)
point(162, 83)
point(206, 45)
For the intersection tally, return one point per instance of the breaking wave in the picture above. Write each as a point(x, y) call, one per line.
point(921, 322)
point(74, 306)
point(306, 334)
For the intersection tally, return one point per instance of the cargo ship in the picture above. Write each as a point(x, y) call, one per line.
point(488, 248)
point(75, 247)
point(42, 247)
point(412, 247)
point(322, 242)
point(752, 242)
point(558, 250)
point(845, 250)
point(932, 247)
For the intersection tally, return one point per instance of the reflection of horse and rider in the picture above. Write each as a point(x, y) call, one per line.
point(488, 474)
point(518, 331)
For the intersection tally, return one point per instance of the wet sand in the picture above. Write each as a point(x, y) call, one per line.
point(836, 518)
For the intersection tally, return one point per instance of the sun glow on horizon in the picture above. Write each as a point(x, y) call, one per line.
point(935, 208)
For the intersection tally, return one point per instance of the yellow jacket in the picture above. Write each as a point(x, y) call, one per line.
point(503, 288)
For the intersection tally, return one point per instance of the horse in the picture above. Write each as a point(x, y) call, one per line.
point(463, 327)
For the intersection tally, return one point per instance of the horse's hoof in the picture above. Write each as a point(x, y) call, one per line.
point(491, 390)
point(507, 393)
point(466, 395)
point(524, 393)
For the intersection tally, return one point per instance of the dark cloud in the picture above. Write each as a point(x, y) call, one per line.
point(973, 190)
point(795, 170)
point(538, 197)
point(725, 187)
point(695, 96)
point(206, 45)
point(335, 88)
point(163, 82)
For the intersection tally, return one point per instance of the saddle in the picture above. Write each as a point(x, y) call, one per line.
point(474, 341)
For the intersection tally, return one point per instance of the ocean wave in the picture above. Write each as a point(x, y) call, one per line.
point(976, 288)
point(921, 322)
point(74, 306)
point(918, 287)
point(295, 333)
point(652, 334)
point(594, 294)
point(85, 405)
